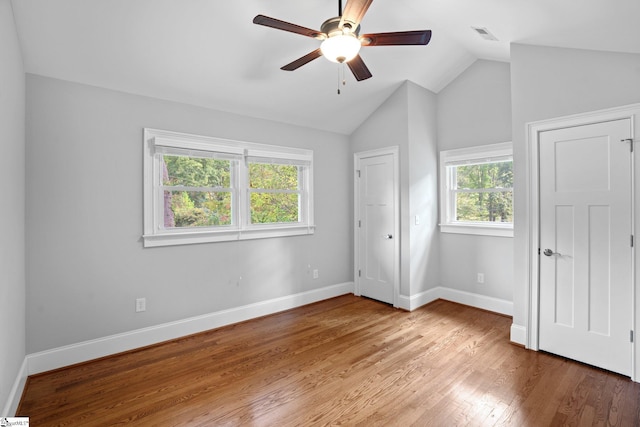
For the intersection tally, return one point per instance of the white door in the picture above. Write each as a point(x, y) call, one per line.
point(585, 244)
point(376, 211)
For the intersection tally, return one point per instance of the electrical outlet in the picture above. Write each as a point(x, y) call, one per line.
point(315, 274)
point(141, 304)
point(480, 277)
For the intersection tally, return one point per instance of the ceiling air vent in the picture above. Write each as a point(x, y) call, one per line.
point(484, 33)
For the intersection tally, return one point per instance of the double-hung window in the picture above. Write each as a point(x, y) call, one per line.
point(476, 194)
point(201, 189)
point(275, 193)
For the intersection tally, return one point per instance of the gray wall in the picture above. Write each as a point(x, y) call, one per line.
point(12, 176)
point(475, 109)
point(86, 264)
point(552, 82)
point(407, 119)
point(387, 127)
point(424, 246)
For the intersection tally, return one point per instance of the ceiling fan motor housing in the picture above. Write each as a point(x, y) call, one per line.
point(331, 27)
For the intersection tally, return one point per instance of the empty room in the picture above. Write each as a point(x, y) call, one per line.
point(324, 212)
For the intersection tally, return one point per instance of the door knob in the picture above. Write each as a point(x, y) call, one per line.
point(548, 252)
point(388, 236)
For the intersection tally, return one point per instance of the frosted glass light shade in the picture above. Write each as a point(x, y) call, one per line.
point(340, 48)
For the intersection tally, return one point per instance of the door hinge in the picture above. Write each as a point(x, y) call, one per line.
point(359, 223)
point(358, 171)
point(359, 273)
point(630, 141)
point(631, 336)
point(538, 251)
point(632, 240)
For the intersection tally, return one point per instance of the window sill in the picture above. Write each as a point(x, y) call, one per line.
point(478, 229)
point(209, 236)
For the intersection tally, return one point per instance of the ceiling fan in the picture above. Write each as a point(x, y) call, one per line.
point(341, 39)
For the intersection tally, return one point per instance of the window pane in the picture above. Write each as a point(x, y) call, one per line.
point(485, 175)
point(196, 172)
point(273, 176)
point(269, 208)
point(484, 207)
point(196, 208)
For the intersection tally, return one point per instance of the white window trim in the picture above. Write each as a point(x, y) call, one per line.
point(154, 235)
point(470, 155)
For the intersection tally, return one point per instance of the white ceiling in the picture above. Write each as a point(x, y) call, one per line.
point(208, 52)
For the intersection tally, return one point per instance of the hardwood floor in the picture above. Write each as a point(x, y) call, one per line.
point(345, 361)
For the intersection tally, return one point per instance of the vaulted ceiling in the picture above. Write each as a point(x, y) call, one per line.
point(208, 52)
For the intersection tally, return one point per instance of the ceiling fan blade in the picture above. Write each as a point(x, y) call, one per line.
point(359, 69)
point(287, 26)
point(303, 60)
point(354, 12)
point(396, 38)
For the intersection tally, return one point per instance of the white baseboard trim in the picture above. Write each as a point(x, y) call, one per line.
point(13, 400)
point(101, 347)
point(519, 334)
point(418, 300)
point(484, 302)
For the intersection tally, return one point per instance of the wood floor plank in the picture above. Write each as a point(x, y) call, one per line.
point(344, 361)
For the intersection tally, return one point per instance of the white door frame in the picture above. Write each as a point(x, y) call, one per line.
point(533, 141)
point(394, 152)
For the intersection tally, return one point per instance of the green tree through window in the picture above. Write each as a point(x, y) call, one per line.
point(196, 191)
point(483, 192)
point(275, 193)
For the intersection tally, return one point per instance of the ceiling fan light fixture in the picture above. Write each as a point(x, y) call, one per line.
point(340, 48)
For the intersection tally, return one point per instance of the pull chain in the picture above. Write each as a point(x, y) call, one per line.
point(341, 78)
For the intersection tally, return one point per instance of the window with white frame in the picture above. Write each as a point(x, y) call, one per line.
point(200, 189)
point(476, 190)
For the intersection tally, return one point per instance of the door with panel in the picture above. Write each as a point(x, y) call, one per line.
point(586, 249)
point(377, 256)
